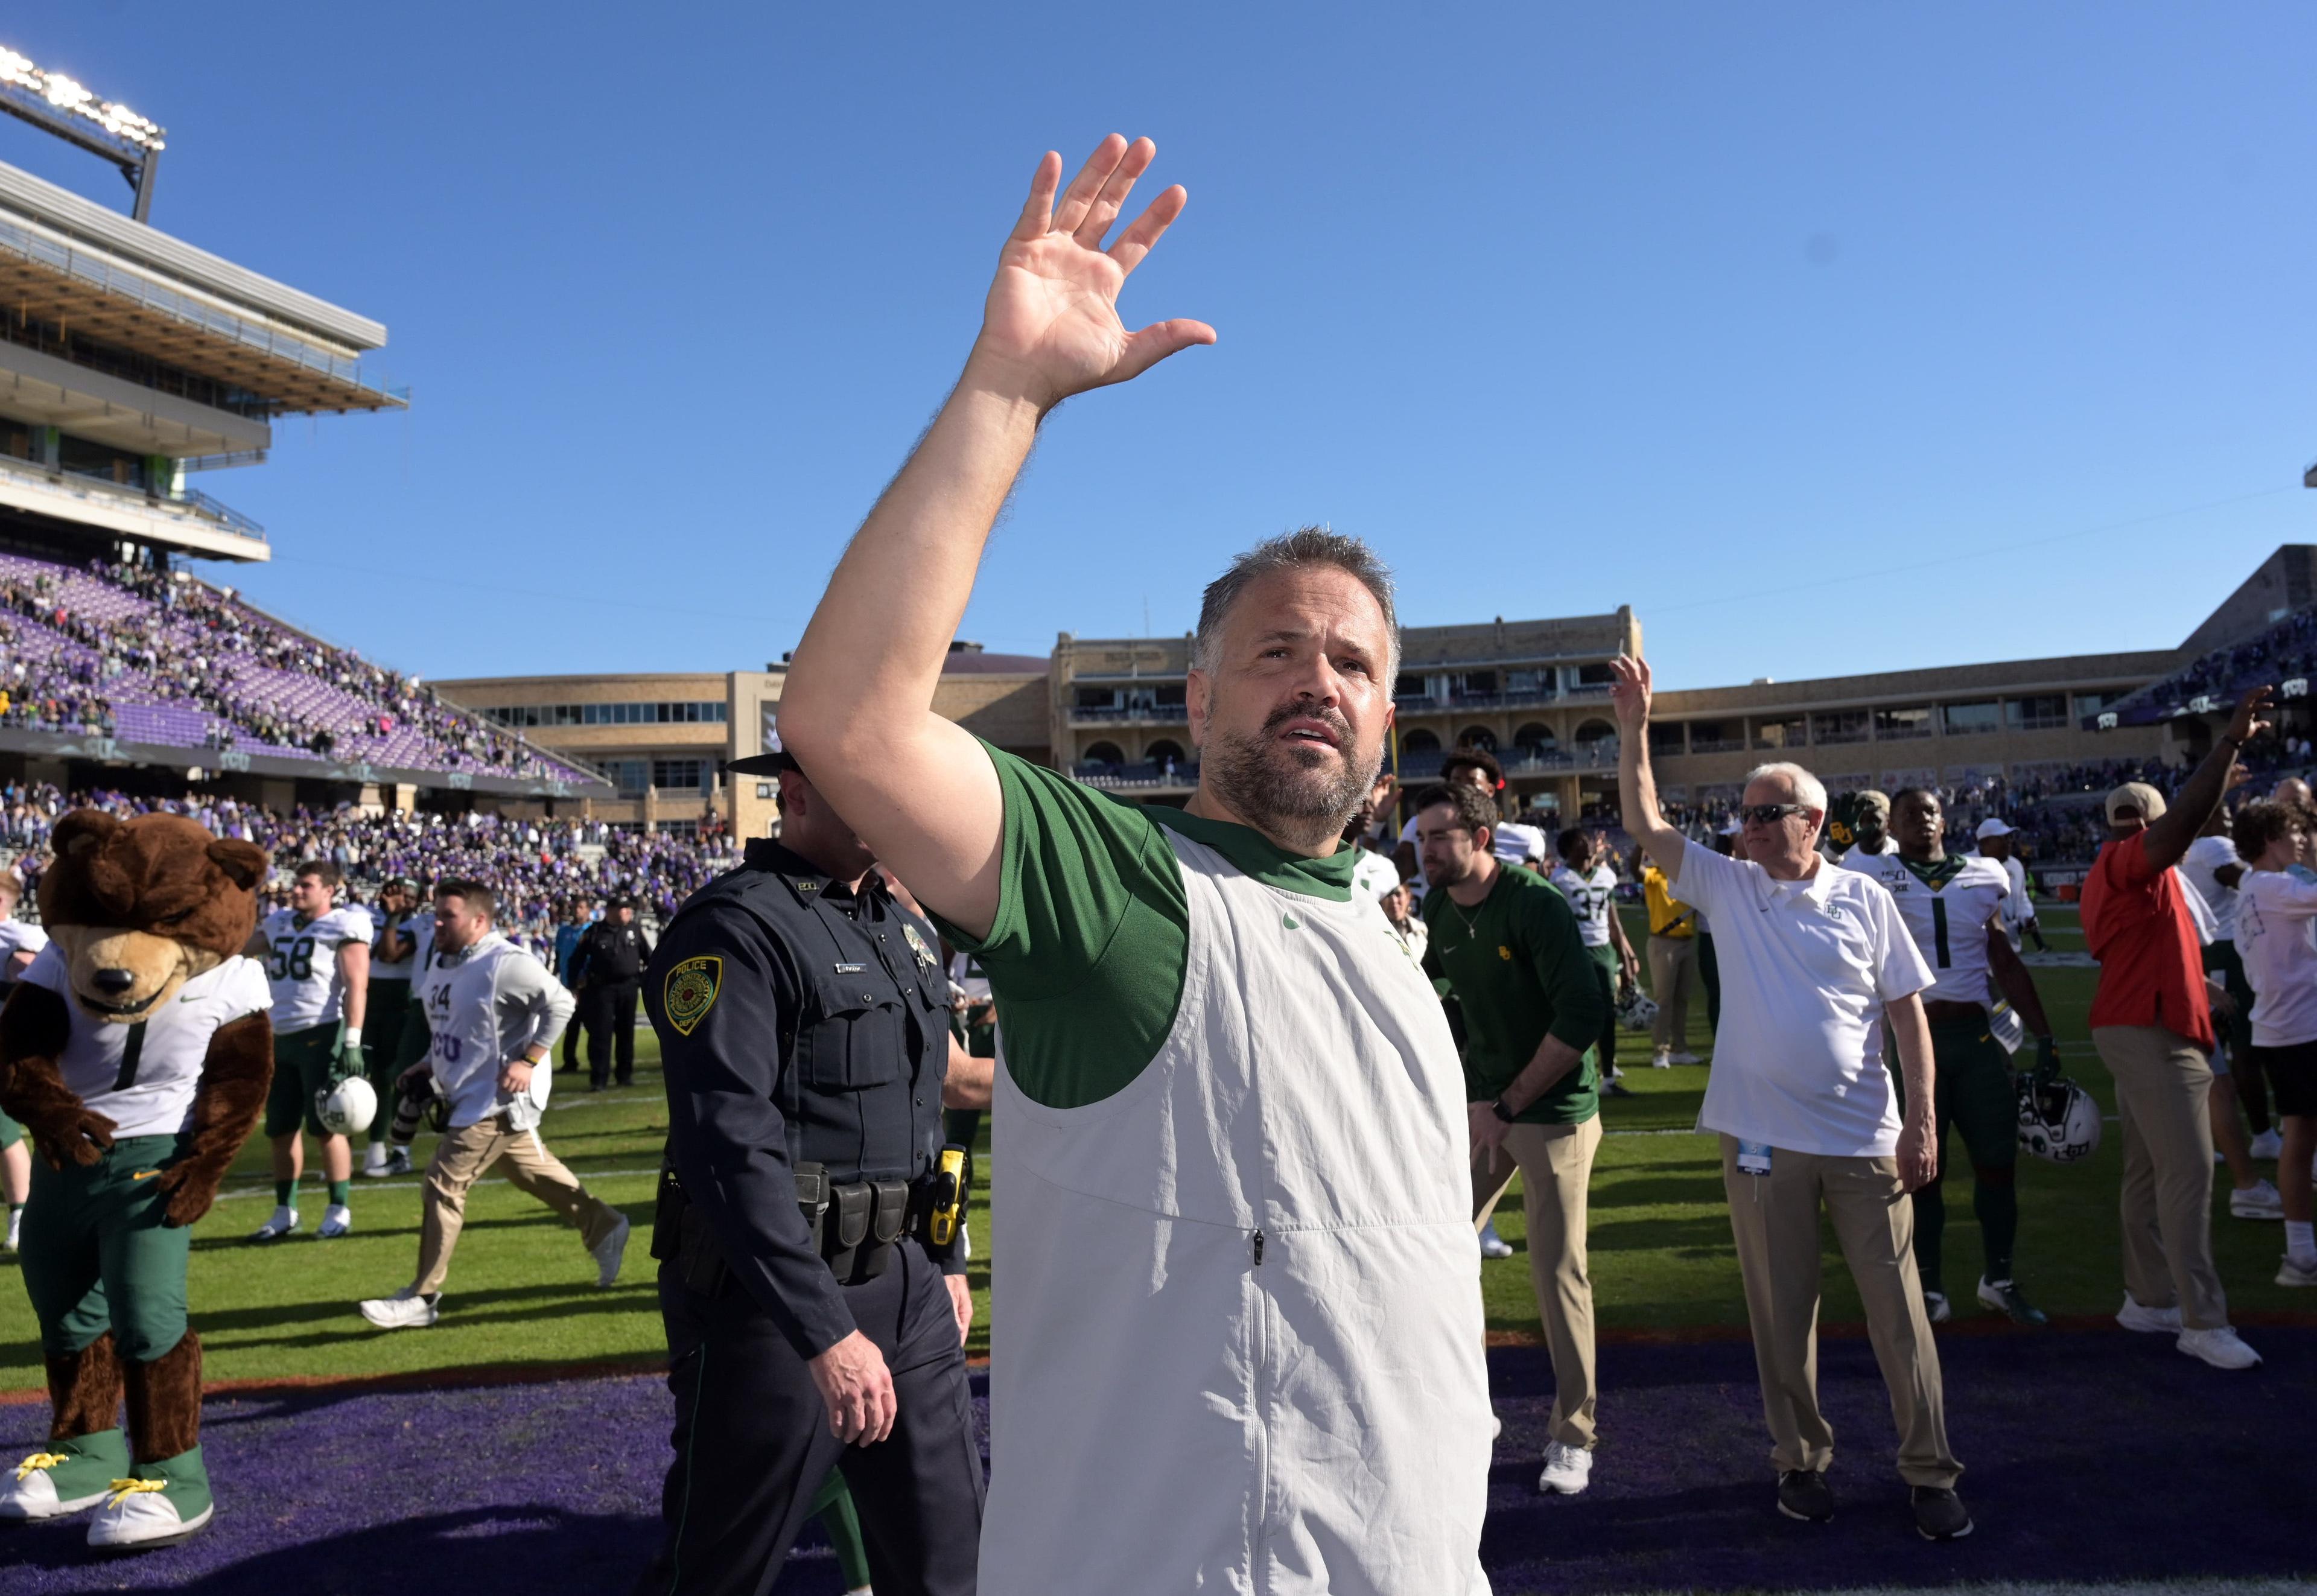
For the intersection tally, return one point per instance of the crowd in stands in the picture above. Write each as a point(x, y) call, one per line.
point(537, 866)
point(79, 645)
point(2286, 650)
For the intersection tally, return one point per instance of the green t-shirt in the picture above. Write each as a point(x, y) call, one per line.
point(1087, 953)
point(1520, 972)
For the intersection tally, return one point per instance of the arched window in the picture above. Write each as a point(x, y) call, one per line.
point(1419, 741)
point(1104, 753)
point(1477, 736)
point(1594, 732)
point(1159, 752)
point(1535, 738)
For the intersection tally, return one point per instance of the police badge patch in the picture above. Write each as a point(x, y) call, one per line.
point(918, 946)
point(690, 992)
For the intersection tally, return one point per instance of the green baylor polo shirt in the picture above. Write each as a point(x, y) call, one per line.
point(1520, 971)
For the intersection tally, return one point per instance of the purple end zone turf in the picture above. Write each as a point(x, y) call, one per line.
point(2091, 1456)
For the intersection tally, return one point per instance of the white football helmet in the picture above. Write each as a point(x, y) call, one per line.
point(2058, 1120)
point(347, 1108)
point(1636, 1009)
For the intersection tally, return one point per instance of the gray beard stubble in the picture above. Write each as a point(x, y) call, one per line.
point(1292, 802)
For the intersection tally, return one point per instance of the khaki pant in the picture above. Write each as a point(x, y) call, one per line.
point(1673, 970)
point(2163, 1088)
point(463, 1157)
point(1775, 1219)
point(1555, 1162)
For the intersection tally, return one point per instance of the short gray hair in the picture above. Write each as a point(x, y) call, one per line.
point(1807, 789)
point(1309, 545)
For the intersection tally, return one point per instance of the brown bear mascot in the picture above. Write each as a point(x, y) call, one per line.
point(136, 1053)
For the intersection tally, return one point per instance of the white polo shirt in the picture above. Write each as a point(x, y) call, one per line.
point(1807, 967)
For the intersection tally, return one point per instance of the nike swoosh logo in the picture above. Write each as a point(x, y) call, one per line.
point(144, 1174)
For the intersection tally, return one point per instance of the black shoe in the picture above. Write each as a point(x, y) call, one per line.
point(1939, 1513)
point(1613, 1088)
point(627, 1080)
point(1803, 1494)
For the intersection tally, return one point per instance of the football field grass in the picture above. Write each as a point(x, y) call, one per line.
point(521, 1294)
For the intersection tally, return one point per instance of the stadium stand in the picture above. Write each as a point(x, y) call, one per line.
point(536, 865)
point(154, 656)
point(2286, 653)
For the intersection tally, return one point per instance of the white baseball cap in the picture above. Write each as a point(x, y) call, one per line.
point(1991, 827)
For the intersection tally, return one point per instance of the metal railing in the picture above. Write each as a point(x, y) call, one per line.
point(121, 283)
point(191, 500)
point(1113, 714)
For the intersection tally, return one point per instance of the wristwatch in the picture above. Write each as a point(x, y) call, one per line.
point(1501, 1110)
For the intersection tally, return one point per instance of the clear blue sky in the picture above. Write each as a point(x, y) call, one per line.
point(1832, 338)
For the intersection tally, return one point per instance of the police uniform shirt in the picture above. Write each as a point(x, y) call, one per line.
point(302, 964)
point(151, 1094)
point(793, 1011)
point(612, 953)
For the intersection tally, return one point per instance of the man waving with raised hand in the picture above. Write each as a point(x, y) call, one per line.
point(1237, 1335)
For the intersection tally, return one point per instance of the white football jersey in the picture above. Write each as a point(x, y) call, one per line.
point(1373, 874)
point(142, 1076)
point(301, 962)
point(1948, 922)
point(1591, 897)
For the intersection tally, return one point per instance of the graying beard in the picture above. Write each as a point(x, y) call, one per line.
point(1236, 767)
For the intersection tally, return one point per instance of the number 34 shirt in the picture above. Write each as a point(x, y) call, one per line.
point(302, 961)
point(142, 1076)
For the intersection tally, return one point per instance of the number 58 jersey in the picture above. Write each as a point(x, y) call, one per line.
point(301, 965)
point(1948, 921)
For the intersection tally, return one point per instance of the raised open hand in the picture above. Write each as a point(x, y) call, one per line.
point(1050, 326)
point(1629, 693)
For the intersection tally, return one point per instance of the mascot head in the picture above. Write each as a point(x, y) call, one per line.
point(140, 907)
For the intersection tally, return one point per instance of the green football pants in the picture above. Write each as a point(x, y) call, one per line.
point(96, 1256)
point(301, 1067)
point(11, 1133)
point(389, 1008)
point(1973, 1092)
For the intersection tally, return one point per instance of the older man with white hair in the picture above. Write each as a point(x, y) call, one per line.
point(1814, 960)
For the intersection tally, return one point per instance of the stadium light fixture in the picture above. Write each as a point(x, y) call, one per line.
point(60, 104)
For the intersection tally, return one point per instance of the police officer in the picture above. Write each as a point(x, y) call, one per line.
point(812, 1275)
point(610, 959)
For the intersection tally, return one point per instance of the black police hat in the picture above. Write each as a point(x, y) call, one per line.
point(771, 762)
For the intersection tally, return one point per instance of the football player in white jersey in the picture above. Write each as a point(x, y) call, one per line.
point(1952, 904)
point(1586, 880)
point(317, 958)
point(394, 961)
point(19, 943)
point(492, 1014)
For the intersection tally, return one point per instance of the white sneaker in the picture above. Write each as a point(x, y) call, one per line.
point(2149, 1321)
point(143, 1517)
point(1493, 1245)
point(2257, 1201)
point(2296, 1274)
point(338, 1219)
point(1568, 1470)
point(1686, 1058)
point(2220, 1347)
point(1663, 1059)
point(283, 1222)
point(609, 1252)
point(397, 1161)
point(1935, 1308)
point(2268, 1144)
point(15, 1226)
point(374, 1161)
point(404, 1310)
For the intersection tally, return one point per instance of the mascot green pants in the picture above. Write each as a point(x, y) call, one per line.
point(136, 1053)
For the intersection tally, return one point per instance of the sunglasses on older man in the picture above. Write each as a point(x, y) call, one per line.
point(1770, 814)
